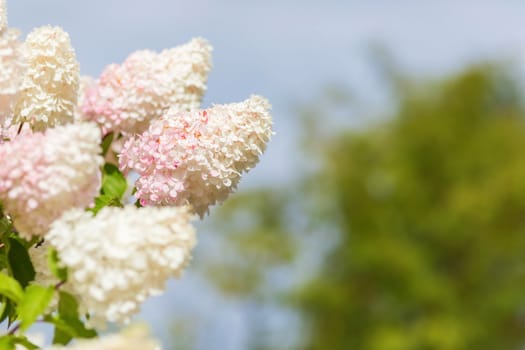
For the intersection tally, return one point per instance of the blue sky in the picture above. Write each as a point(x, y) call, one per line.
point(287, 51)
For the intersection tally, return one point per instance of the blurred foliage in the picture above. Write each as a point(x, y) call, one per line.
point(428, 207)
point(257, 240)
point(248, 246)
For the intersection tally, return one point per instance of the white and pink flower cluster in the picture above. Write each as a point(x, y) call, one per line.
point(198, 157)
point(43, 174)
point(52, 124)
point(128, 96)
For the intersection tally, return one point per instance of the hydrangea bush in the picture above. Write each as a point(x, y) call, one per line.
point(81, 244)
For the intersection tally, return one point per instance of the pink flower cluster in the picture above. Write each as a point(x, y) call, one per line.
point(197, 157)
point(44, 174)
point(127, 97)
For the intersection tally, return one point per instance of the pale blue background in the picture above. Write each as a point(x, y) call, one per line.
point(287, 51)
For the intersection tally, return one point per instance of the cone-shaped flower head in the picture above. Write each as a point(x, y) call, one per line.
point(126, 97)
point(121, 256)
point(11, 72)
point(48, 95)
point(44, 174)
point(197, 157)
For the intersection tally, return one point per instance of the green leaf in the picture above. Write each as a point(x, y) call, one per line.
point(67, 306)
point(75, 329)
point(20, 265)
point(5, 225)
point(61, 337)
point(3, 260)
point(10, 288)
point(68, 324)
point(106, 143)
point(3, 305)
point(53, 261)
point(104, 201)
point(25, 343)
point(8, 312)
point(4, 308)
point(7, 343)
point(35, 301)
point(114, 184)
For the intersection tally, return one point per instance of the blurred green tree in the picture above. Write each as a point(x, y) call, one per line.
point(427, 211)
point(430, 209)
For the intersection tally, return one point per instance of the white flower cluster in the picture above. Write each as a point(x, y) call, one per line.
point(11, 72)
point(44, 174)
point(127, 97)
point(121, 256)
point(135, 338)
point(48, 93)
point(198, 157)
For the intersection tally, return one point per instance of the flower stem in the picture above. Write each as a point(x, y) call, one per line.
point(14, 329)
point(20, 128)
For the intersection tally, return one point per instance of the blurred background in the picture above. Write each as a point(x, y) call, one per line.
point(389, 209)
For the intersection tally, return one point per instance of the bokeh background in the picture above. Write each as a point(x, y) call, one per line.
point(389, 209)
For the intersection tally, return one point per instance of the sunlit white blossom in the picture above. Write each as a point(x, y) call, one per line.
point(121, 256)
point(48, 94)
